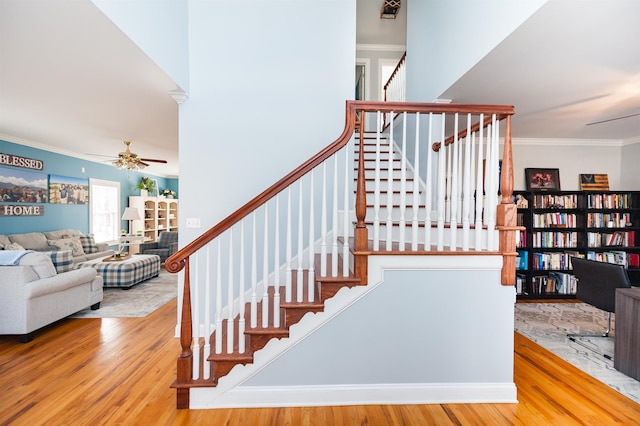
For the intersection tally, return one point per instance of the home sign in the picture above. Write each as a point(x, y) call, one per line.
point(16, 161)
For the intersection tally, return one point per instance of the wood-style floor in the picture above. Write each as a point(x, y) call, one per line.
point(118, 372)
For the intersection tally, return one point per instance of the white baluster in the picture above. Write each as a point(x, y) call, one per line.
point(376, 190)
point(440, 202)
point(416, 187)
point(207, 308)
point(241, 308)
point(254, 276)
point(265, 270)
point(230, 285)
point(289, 254)
point(453, 190)
point(323, 223)
point(218, 301)
point(311, 279)
point(300, 274)
point(390, 187)
point(196, 321)
point(345, 216)
point(276, 267)
point(429, 184)
point(334, 231)
point(466, 187)
point(479, 187)
point(403, 184)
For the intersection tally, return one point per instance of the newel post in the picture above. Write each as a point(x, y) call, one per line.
point(361, 232)
point(506, 215)
point(185, 360)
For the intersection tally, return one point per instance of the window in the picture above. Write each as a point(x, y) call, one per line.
point(104, 211)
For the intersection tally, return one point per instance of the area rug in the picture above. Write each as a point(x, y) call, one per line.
point(138, 301)
point(548, 324)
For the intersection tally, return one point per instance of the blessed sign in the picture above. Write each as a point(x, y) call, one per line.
point(16, 161)
point(21, 210)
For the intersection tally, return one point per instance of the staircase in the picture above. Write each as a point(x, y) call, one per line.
point(313, 232)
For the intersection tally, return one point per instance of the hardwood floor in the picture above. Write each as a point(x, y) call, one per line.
point(118, 372)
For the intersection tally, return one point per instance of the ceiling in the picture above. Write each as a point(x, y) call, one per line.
point(72, 82)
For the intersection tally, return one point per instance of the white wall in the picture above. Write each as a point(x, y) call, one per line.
point(445, 38)
point(159, 29)
point(629, 170)
point(268, 89)
point(423, 333)
point(572, 157)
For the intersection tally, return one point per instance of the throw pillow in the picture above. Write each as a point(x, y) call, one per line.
point(40, 263)
point(72, 244)
point(14, 246)
point(88, 244)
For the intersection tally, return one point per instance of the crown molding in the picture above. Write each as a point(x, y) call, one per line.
point(568, 142)
point(631, 141)
point(382, 47)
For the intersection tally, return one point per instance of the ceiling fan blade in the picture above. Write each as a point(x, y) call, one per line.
point(143, 163)
point(613, 119)
point(101, 155)
point(154, 161)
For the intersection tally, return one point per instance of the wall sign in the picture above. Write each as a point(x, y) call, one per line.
point(16, 161)
point(21, 210)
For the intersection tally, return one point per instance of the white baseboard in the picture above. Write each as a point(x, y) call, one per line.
point(337, 395)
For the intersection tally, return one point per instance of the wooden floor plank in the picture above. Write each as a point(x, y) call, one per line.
point(118, 371)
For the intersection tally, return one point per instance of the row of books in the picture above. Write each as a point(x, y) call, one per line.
point(544, 201)
point(548, 239)
point(546, 220)
point(521, 238)
point(553, 261)
point(554, 283)
point(609, 201)
point(608, 220)
point(611, 239)
point(618, 257)
point(522, 260)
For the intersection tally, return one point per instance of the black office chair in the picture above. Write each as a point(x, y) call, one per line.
point(597, 284)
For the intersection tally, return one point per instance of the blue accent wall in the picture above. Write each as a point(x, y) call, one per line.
point(66, 216)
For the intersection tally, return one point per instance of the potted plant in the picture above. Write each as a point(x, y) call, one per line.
point(168, 193)
point(146, 186)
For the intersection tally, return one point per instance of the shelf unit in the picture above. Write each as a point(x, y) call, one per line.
point(602, 225)
point(160, 214)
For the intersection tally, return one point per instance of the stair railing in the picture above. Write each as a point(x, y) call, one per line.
point(395, 89)
point(265, 252)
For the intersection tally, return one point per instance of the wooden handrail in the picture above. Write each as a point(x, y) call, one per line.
point(474, 128)
point(176, 262)
point(395, 71)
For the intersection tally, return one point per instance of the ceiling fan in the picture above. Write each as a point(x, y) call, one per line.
point(612, 119)
point(130, 161)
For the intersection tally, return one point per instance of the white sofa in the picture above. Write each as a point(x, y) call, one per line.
point(33, 294)
point(82, 246)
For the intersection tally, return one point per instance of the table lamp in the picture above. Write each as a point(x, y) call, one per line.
point(131, 214)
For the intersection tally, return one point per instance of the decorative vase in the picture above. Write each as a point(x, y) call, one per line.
point(169, 196)
point(144, 192)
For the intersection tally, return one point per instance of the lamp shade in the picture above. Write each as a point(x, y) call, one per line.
point(131, 213)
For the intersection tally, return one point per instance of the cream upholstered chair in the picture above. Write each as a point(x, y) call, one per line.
point(166, 245)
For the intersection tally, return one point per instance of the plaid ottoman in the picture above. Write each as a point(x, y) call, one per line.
point(127, 272)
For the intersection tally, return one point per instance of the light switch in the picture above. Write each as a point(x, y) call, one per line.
point(193, 222)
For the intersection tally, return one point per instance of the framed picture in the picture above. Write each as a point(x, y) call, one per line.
point(542, 179)
point(594, 182)
point(22, 186)
point(68, 190)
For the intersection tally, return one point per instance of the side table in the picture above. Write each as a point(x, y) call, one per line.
point(626, 358)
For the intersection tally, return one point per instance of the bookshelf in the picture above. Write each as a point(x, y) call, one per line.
point(160, 214)
point(602, 226)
